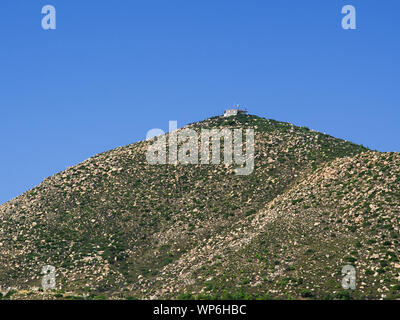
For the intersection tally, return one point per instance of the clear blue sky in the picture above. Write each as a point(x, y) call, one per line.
point(114, 69)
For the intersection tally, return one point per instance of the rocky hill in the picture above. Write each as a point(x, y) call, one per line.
point(115, 226)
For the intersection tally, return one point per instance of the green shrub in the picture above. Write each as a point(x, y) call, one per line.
point(306, 293)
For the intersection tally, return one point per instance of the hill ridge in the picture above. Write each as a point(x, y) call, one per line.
point(115, 226)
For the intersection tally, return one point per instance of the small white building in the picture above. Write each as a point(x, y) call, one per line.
point(235, 111)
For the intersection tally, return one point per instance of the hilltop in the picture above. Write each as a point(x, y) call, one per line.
point(115, 226)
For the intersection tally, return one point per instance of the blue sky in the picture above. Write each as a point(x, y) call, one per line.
point(112, 70)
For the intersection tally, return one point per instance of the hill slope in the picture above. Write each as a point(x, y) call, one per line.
point(115, 226)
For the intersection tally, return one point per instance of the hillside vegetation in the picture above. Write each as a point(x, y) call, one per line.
point(114, 226)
